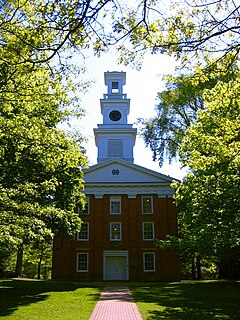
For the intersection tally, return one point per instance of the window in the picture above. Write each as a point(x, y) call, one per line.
point(115, 231)
point(84, 209)
point(115, 148)
point(82, 262)
point(115, 87)
point(148, 230)
point(149, 261)
point(84, 232)
point(115, 205)
point(147, 205)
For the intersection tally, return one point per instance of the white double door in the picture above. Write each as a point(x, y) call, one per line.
point(116, 267)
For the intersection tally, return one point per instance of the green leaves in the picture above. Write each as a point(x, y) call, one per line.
point(189, 31)
point(208, 198)
point(215, 138)
point(41, 180)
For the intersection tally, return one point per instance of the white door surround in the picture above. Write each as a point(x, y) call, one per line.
point(115, 265)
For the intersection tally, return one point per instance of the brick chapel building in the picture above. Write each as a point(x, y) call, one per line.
point(127, 207)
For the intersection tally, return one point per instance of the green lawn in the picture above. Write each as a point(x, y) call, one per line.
point(49, 300)
point(46, 300)
point(189, 300)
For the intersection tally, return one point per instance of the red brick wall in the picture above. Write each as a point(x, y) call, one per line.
point(165, 222)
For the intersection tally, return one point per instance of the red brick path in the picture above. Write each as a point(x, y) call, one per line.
point(116, 303)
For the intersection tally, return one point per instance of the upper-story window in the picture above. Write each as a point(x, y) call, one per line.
point(148, 231)
point(84, 209)
point(115, 148)
point(115, 87)
point(147, 204)
point(115, 231)
point(115, 205)
point(83, 235)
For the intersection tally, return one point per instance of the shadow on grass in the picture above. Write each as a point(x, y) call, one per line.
point(189, 300)
point(19, 292)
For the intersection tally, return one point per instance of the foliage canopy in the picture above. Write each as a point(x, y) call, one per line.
point(41, 179)
point(208, 198)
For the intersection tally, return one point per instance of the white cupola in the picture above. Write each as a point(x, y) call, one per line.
point(115, 138)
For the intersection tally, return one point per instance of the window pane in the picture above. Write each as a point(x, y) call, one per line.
point(147, 204)
point(149, 262)
point(83, 234)
point(114, 85)
point(82, 262)
point(115, 205)
point(148, 231)
point(115, 231)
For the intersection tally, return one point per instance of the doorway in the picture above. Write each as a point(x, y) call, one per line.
point(115, 264)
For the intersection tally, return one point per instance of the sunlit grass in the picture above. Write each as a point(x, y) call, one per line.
point(202, 300)
point(43, 300)
point(192, 300)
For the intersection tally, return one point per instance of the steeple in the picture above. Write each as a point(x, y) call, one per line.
point(115, 138)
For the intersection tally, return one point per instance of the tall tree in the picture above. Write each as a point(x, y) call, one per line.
point(40, 167)
point(208, 198)
point(178, 106)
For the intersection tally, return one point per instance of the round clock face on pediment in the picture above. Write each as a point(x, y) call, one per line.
point(115, 115)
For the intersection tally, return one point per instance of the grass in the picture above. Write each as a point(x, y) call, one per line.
point(33, 299)
point(189, 300)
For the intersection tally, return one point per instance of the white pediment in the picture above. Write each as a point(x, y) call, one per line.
point(122, 177)
point(120, 171)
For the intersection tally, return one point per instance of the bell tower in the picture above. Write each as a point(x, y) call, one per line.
point(115, 138)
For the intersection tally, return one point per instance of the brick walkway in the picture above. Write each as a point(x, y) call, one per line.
point(116, 303)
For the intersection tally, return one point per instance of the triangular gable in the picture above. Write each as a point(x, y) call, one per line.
point(123, 171)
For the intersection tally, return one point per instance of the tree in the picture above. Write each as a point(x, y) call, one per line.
point(38, 261)
point(46, 29)
point(41, 180)
point(178, 106)
point(208, 198)
point(189, 30)
point(52, 28)
point(176, 111)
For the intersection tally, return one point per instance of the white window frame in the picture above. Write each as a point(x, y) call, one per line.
point(87, 211)
point(144, 262)
point(120, 231)
point(115, 199)
point(87, 262)
point(147, 212)
point(78, 234)
point(143, 229)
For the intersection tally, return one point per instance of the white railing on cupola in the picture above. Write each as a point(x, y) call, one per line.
point(121, 96)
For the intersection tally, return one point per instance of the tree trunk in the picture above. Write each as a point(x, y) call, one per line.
point(229, 269)
point(193, 269)
point(39, 265)
point(198, 265)
point(18, 269)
